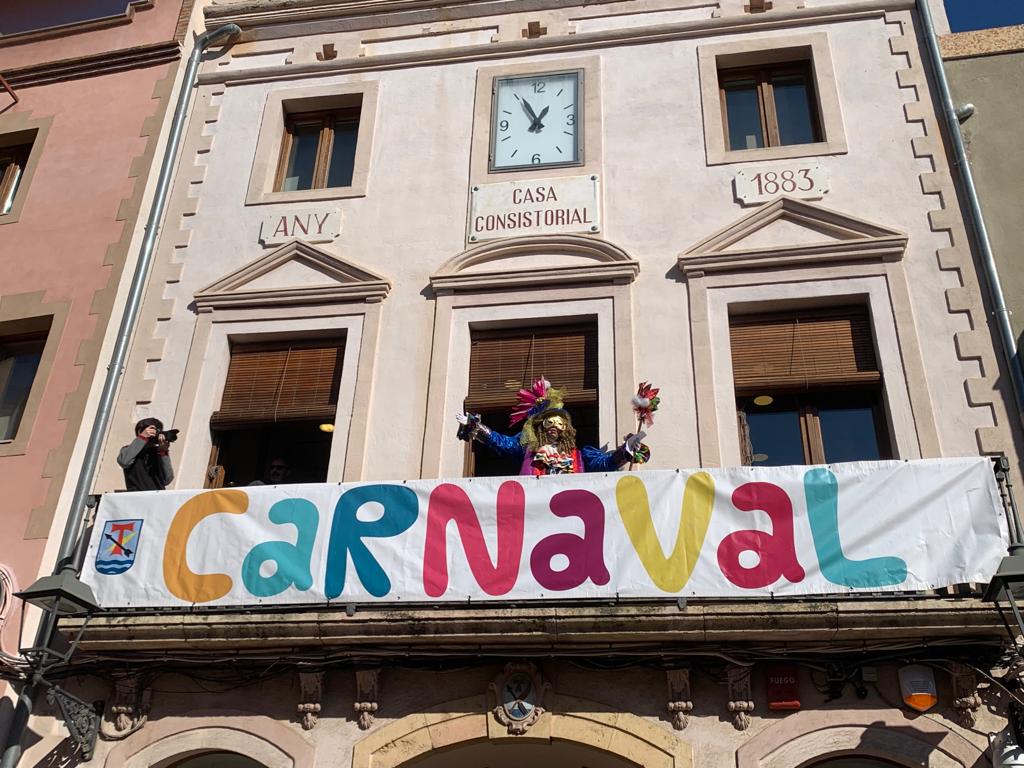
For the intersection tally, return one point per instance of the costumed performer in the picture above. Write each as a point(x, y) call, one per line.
point(547, 443)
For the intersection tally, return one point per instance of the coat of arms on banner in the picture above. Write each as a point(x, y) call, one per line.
point(117, 547)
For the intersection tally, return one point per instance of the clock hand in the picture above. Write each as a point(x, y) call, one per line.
point(531, 114)
point(537, 124)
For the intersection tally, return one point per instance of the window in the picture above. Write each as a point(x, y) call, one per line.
point(319, 150)
point(277, 413)
point(314, 144)
point(769, 106)
point(503, 361)
point(13, 160)
point(20, 355)
point(808, 387)
point(770, 98)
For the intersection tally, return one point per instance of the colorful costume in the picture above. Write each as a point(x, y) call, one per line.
point(547, 444)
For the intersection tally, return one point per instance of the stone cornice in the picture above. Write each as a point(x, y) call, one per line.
point(856, 623)
point(93, 65)
point(77, 27)
point(544, 45)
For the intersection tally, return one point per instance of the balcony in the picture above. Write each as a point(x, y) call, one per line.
point(656, 562)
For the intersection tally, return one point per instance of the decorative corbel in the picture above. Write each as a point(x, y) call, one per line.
point(679, 703)
point(366, 695)
point(130, 707)
point(311, 687)
point(740, 698)
point(966, 699)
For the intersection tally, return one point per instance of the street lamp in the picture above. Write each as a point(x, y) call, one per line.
point(62, 594)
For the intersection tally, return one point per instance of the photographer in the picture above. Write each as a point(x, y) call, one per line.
point(145, 460)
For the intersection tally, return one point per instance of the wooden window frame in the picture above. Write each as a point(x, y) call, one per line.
point(327, 121)
point(762, 76)
point(865, 384)
point(13, 164)
point(810, 422)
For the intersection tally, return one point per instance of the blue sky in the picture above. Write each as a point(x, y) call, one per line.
point(982, 14)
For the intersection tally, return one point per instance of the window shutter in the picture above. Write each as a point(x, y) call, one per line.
point(502, 362)
point(281, 383)
point(801, 349)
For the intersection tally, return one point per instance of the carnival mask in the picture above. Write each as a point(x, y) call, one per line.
point(554, 426)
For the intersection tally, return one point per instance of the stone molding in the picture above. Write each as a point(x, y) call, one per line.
point(353, 282)
point(601, 262)
point(984, 391)
point(94, 65)
point(855, 240)
point(886, 733)
point(501, 49)
point(580, 721)
point(855, 623)
point(77, 27)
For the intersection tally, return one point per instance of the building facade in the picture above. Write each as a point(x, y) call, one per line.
point(82, 103)
point(384, 217)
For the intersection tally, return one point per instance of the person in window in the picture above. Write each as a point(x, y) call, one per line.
point(146, 460)
point(276, 473)
point(547, 443)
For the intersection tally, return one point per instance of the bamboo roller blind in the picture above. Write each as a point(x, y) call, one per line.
point(501, 362)
point(281, 382)
point(793, 350)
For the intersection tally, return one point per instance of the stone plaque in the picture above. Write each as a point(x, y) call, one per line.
point(312, 223)
point(537, 207)
point(806, 181)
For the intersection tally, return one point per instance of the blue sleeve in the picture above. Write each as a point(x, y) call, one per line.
point(503, 445)
point(596, 460)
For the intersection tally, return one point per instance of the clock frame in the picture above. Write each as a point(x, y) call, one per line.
point(578, 138)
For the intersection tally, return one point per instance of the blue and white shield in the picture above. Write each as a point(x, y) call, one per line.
point(119, 542)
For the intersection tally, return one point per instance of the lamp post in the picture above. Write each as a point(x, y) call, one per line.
point(61, 594)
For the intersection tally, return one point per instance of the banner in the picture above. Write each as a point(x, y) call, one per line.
point(735, 532)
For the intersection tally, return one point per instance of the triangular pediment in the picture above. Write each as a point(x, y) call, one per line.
point(788, 232)
point(295, 273)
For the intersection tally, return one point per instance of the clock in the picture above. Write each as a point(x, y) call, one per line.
point(535, 121)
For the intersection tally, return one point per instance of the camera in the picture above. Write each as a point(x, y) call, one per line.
point(170, 435)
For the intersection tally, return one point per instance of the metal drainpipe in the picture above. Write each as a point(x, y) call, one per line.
point(115, 369)
point(963, 167)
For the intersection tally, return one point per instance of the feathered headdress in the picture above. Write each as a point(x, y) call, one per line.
point(537, 399)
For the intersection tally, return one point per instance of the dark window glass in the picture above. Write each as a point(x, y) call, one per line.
point(319, 150)
point(744, 115)
point(19, 361)
point(769, 106)
point(12, 169)
point(793, 110)
point(302, 158)
point(343, 153)
point(775, 438)
point(849, 433)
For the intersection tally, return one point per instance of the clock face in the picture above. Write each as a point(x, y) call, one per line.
point(536, 121)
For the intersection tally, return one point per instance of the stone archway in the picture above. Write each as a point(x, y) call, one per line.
point(573, 728)
point(809, 737)
point(269, 742)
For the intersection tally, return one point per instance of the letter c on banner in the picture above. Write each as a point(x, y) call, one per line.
point(182, 582)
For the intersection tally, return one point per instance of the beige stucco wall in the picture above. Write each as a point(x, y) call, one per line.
point(660, 197)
